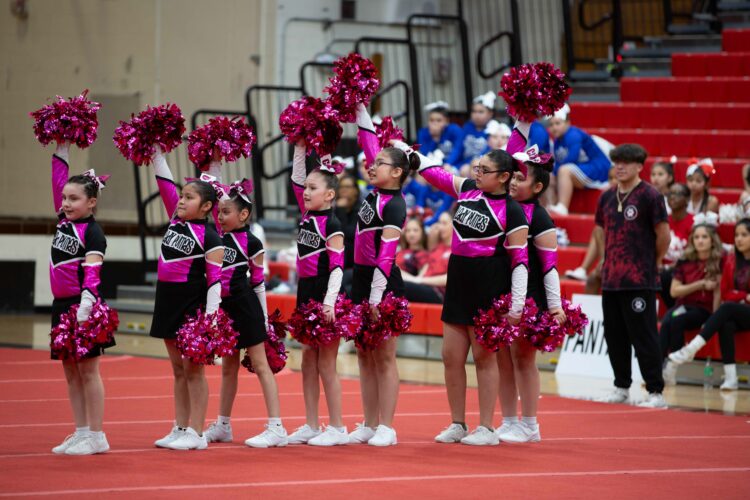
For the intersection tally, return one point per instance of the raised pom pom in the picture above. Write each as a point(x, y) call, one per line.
point(308, 325)
point(313, 121)
point(69, 339)
point(275, 349)
point(531, 90)
point(163, 126)
point(205, 336)
point(554, 91)
point(394, 319)
point(73, 120)
point(546, 334)
point(355, 82)
point(220, 138)
point(388, 131)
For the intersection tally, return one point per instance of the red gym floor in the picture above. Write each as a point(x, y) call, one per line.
point(588, 449)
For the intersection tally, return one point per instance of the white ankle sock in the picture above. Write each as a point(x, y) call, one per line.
point(224, 420)
point(83, 430)
point(530, 421)
point(510, 420)
point(696, 344)
point(274, 421)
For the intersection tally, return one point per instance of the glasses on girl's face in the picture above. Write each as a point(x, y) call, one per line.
point(480, 170)
point(380, 163)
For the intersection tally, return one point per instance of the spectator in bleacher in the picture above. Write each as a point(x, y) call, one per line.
point(745, 196)
point(698, 180)
point(413, 247)
point(632, 230)
point(439, 134)
point(733, 315)
point(347, 206)
point(680, 225)
point(579, 160)
point(498, 135)
point(539, 137)
point(431, 201)
point(428, 285)
point(695, 286)
point(662, 178)
point(474, 132)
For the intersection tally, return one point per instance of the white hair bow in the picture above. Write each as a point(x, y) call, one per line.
point(436, 105)
point(487, 99)
point(706, 219)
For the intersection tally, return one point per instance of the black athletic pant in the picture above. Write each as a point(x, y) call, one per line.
point(666, 284)
point(630, 320)
point(728, 319)
point(673, 326)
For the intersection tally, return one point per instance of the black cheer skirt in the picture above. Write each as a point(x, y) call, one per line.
point(173, 304)
point(62, 306)
point(362, 282)
point(247, 318)
point(473, 283)
point(314, 288)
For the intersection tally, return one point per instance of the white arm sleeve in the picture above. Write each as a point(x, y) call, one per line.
point(552, 289)
point(260, 292)
point(84, 309)
point(363, 118)
point(519, 281)
point(298, 165)
point(213, 296)
point(379, 282)
point(334, 286)
point(524, 128)
point(63, 151)
point(161, 169)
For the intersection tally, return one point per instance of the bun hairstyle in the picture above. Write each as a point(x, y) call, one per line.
point(205, 191)
point(406, 164)
point(541, 173)
point(240, 203)
point(90, 187)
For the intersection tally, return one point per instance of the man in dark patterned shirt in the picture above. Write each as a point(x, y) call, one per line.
point(632, 228)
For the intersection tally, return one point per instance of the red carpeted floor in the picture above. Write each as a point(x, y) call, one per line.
point(588, 449)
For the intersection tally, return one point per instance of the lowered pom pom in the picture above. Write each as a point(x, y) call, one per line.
point(163, 126)
point(546, 334)
point(355, 82)
point(554, 91)
point(73, 120)
point(70, 339)
point(313, 121)
point(394, 319)
point(308, 325)
point(492, 328)
point(220, 138)
point(388, 131)
point(204, 336)
point(275, 349)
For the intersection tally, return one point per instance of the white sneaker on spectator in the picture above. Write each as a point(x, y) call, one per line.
point(654, 400)
point(189, 440)
point(175, 433)
point(384, 436)
point(669, 373)
point(304, 434)
point(730, 378)
point(331, 436)
point(218, 433)
point(687, 353)
point(89, 445)
point(618, 395)
point(361, 434)
point(559, 209)
point(504, 428)
point(273, 437)
point(69, 441)
point(481, 436)
point(454, 433)
point(578, 273)
point(522, 432)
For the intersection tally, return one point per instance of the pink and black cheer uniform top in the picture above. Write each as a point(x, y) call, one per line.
point(73, 241)
point(543, 271)
point(241, 248)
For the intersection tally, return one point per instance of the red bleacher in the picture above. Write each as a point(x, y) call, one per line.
point(687, 142)
point(718, 64)
point(735, 40)
point(662, 115)
point(686, 89)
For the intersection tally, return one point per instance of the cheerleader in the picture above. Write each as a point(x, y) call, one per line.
point(189, 279)
point(75, 265)
point(320, 260)
point(488, 258)
point(244, 301)
point(380, 221)
point(517, 364)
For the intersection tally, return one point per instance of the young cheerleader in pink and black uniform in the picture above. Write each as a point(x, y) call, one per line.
point(489, 258)
point(320, 261)
point(244, 301)
point(517, 364)
point(381, 219)
point(189, 279)
point(75, 266)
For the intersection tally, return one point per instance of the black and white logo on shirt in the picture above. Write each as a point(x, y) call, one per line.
point(366, 213)
point(309, 238)
point(638, 305)
point(471, 219)
point(230, 254)
point(66, 243)
point(631, 212)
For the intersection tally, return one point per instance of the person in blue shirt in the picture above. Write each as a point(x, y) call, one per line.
point(474, 134)
point(439, 134)
point(538, 136)
point(580, 162)
point(420, 194)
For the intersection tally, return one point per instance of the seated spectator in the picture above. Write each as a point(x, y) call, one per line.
point(473, 135)
point(439, 134)
point(680, 225)
point(348, 202)
point(580, 162)
point(733, 315)
point(662, 178)
point(695, 286)
point(698, 180)
point(539, 136)
point(413, 247)
point(745, 196)
point(428, 285)
point(498, 135)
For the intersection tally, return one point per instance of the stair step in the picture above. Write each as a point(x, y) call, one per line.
point(733, 6)
point(693, 29)
point(646, 72)
point(647, 63)
point(667, 51)
point(590, 76)
point(683, 41)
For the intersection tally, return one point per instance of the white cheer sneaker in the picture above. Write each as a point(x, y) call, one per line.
point(331, 436)
point(69, 441)
point(454, 433)
point(481, 436)
point(189, 440)
point(89, 445)
point(218, 433)
point(361, 434)
point(273, 437)
point(384, 436)
point(304, 434)
point(618, 395)
point(175, 433)
point(521, 432)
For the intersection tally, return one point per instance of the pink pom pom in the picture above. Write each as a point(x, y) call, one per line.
point(72, 121)
point(205, 336)
point(546, 334)
point(394, 319)
point(388, 131)
point(220, 138)
point(554, 91)
point(491, 326)
point(275, 350)
point(355, 82)
point(308, 325)
point(314, 122)
point(163, 125)
point(69, 339)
